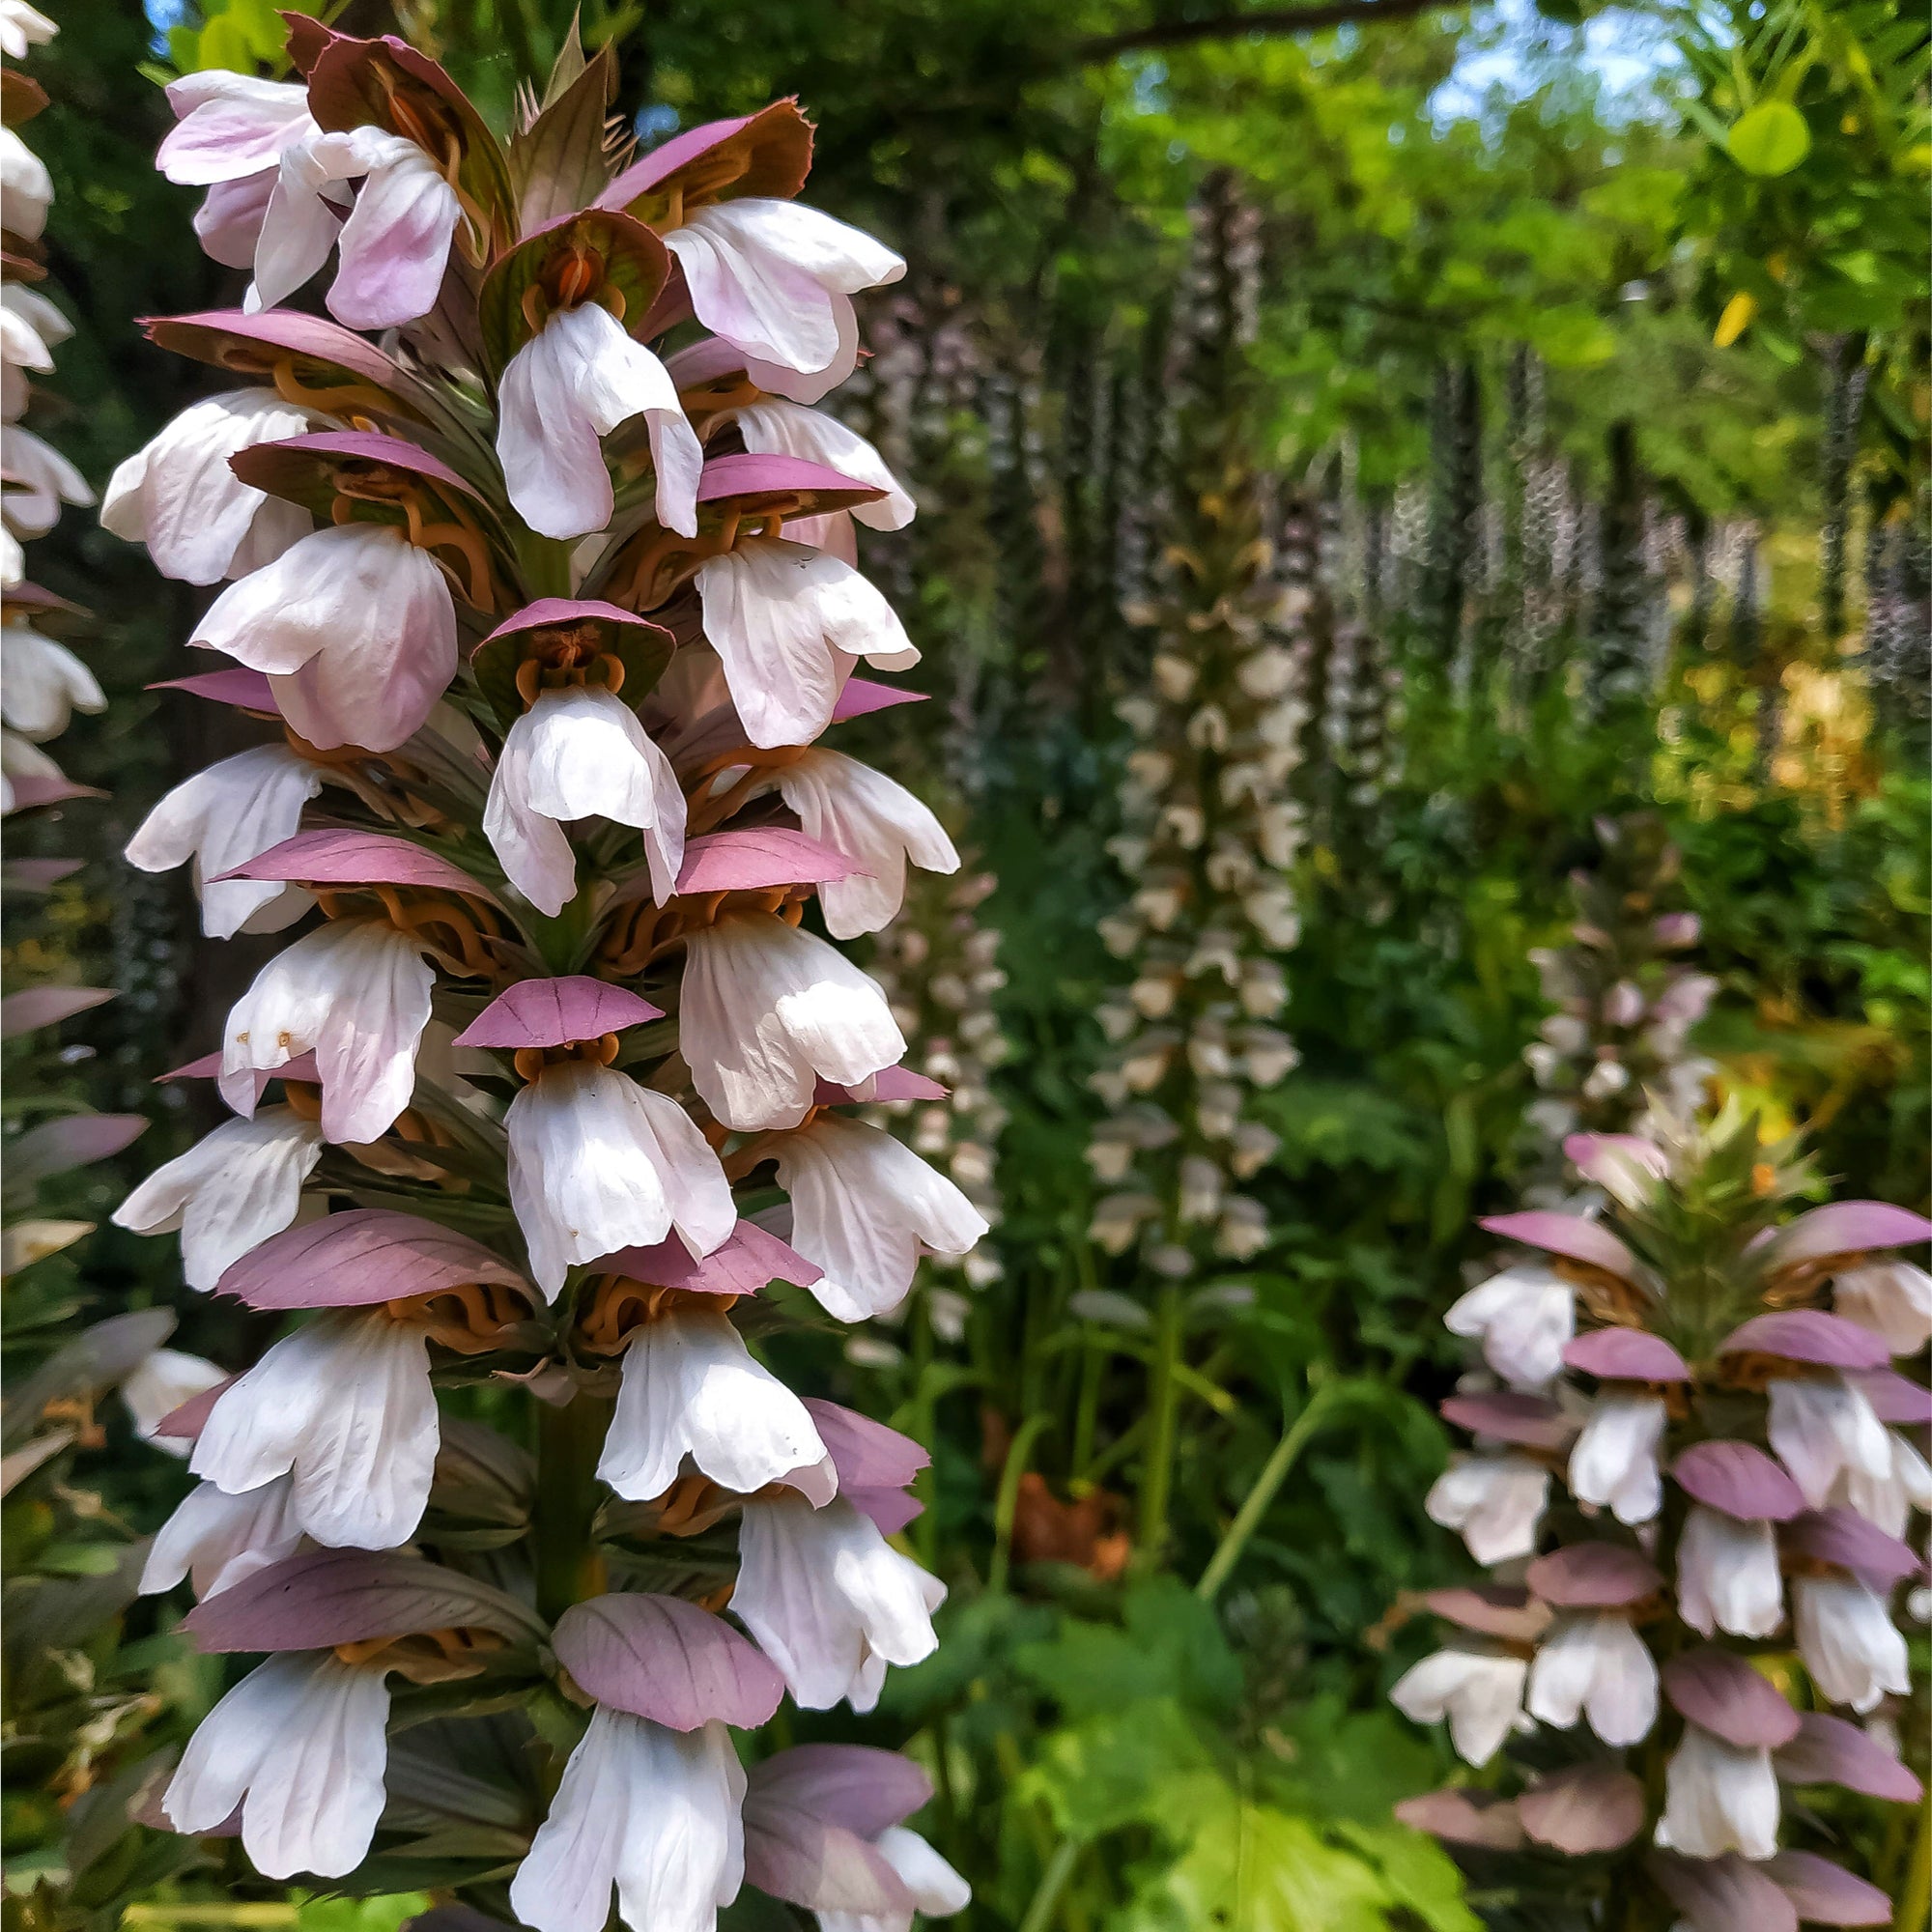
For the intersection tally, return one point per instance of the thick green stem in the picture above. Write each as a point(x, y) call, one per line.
point(1255, 1504)
point(569, 1567)
point(1163, 1409)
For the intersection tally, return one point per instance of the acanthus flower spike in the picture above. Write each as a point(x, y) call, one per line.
point(1729, 1561)
point(544, 816)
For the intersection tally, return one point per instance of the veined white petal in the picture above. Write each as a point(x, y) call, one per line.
point(1596, 1664)
point(221, 818)
point(178, 495)
point(780, 428)
point(599, 1163)
point(217, 1539)
point(1480, 1693)
point(1496, 1501)
point(42, 683)
point(691, 1388)
point(862, 1203)
point(778, 615)
point(356, 992)
point(767, 1010)
point(1719, 1798)
point(578, 377)
point(345, 1405)
point(869, 819)
point(231, 1190)
point(829, 1601)
point(301, 1744)
point(1613, 1462)
point(1727, 1574)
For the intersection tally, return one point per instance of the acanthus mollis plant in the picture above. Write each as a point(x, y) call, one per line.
point(1692, 1476)
point(546, 593)
point(1210, 827)
point(1617, 1045)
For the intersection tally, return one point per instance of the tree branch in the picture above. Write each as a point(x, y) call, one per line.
point(1229, 26)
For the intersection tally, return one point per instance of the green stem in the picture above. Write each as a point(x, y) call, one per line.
point(1052, 1883)
point(1087, 1410)
point(569, 1567)
point(1255, 1505)
point(1164, 1408)
point(1915, 1896)
point(1005, 1505)
point(924, 1427)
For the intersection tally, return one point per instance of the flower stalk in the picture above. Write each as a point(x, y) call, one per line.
point(543, 621)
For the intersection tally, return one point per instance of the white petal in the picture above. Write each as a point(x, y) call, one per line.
point(1854, 1650)
point(180, 497)
point(691, 1388)
point(766, 1010)
point(159, 1386)
point(221, 818)
point(1497, 1503)
point(869, 819)
point(1523, 1317)
point(1820, 1426)
point(1479, 1692)
point(219, 1539)
point(1719, 1798)
point(1613, 1464)
point(825, 1594)
point(43, 684)
point(937, 1889)
point(599, 1163)
point(576, 380)
point(357, 992)
point(304, 1735)
point(775, 613)
point(395, 244)
point(229, 1192)
point(344, 1404)
point(862, 1203)
point(1727, 1574)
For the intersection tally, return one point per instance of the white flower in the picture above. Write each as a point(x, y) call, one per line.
point(25, 185)
point(229, 1192)
point(1599, 1667)
point(1523, 1317)
point(1497, 1503)
point(776, 280)
point(599, 1163)
point(862, 1204)
point(574, 382)
point(829, 1602)
point(1479, 1692)
point(30, 324)
point(1892, 1298)
point(1820, 1427)
point(1719, 1798)
point(40, 479)
point(230, 126)
point(691, 1388)
point(1854, 1650)
point(786, 622)
point(767, 1011)
point(43, 684)
point(345, 1405)
point(221, 818)
point(356, 629)
point(937, 1889)
point(775, 427)
point(217, 1539)
point(1887, 1500)
point(1727, 1575)
point(654, 1812)
point(178, 495)
point(580, 752)
point(301, 1744)
point(358, 993)
point(1613, 1464)
point(159, 1385)
point(864, 816)
point(21, 27)
point(394, 245)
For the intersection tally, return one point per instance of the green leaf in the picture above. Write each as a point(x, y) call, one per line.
point(1143, 1763)
point(1771, 139)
